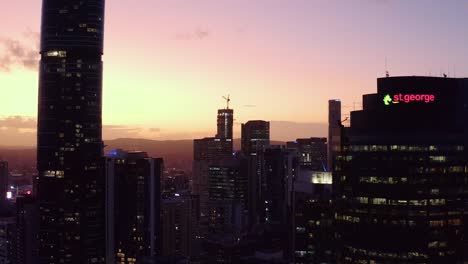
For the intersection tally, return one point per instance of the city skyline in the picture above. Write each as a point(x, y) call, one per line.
point(196, 55)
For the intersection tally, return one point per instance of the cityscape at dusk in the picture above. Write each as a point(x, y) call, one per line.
point(250, 132)
point(167, 63)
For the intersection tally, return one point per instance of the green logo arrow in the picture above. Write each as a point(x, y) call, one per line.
point(387, 99)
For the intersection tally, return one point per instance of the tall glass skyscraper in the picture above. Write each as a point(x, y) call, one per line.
point(69, 163)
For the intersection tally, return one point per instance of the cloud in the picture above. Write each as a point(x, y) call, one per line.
point(19, 53)
point(18, 122)
point(197, 34)
point(17, 131)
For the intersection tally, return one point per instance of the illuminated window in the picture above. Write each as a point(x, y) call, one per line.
point(378, 201)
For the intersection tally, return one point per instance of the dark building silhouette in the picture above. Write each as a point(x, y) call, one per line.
point(207, 151)
point(228, 192)
point(400, 183)
point(26, 230)
point(133, 198)
point(334, 136)
point(313, 217)
point(3, 180)
point(69, 147)
point(7, 240)
point(312, 152)
point(177, 226)
point(255, 135)
point(254, 139)
point(281, 166)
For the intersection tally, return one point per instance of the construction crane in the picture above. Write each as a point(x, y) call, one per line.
point(228, 99)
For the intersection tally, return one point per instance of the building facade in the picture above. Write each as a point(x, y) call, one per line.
point(254, 139)
point(3, 180)
point(312, 152)
point(400, 183)
point(69, 148)
point(334, 134)
point(255, 135)
point(133, 198)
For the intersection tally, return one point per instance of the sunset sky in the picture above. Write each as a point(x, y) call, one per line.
point(168, 63)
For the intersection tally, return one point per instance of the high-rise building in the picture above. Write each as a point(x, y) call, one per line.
point(255, 138)
point(177, 225)
point(400, 183)
point(228, 192)
point(277, 193)
point(3, 180)
point(334, 128)
point(313, 217)
point(26, 230)
point(312, 152)
point(69, 147)
point(255, 135)
point(207, 151)
point(133, 195)
point(8, 240)
point(225, 123)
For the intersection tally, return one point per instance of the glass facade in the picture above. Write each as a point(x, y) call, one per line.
point(401, 190)
point(70, 179)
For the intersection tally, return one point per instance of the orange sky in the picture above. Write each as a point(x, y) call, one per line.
point(167, 63)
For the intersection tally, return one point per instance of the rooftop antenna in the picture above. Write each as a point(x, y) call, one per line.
point(386, 68)
point(228, 99)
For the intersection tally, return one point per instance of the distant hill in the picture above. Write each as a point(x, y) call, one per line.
point(176, 153)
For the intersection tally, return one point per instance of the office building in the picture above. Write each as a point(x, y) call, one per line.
point(400, 180)
point(228, 180)
point(7, 240)
point(254, 139)
point(277, 193)
point(133, 195)
point(225, 123)
point(177, 226)
point(312, 152)
point(313, 217)
point(334, 136)
point(3, 180)
point(69, 146)
point(26, 230)
point(255, 135)
point(207, 151)
point(228, 193)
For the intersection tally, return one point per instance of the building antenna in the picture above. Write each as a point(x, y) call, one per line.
point(228, 99)
point(386, 68)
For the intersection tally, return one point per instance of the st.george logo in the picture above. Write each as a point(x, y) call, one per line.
point(408, 98)
point(387, 99)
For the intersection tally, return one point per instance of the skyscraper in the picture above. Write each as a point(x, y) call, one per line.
point(225, 123)
point(177, 225)
point(3, 180)
point(207, 151)
point(334, 136)
point(400, 183)
point(254, 139)
point(133, 199)
point(69, 148)
point(255, 135)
